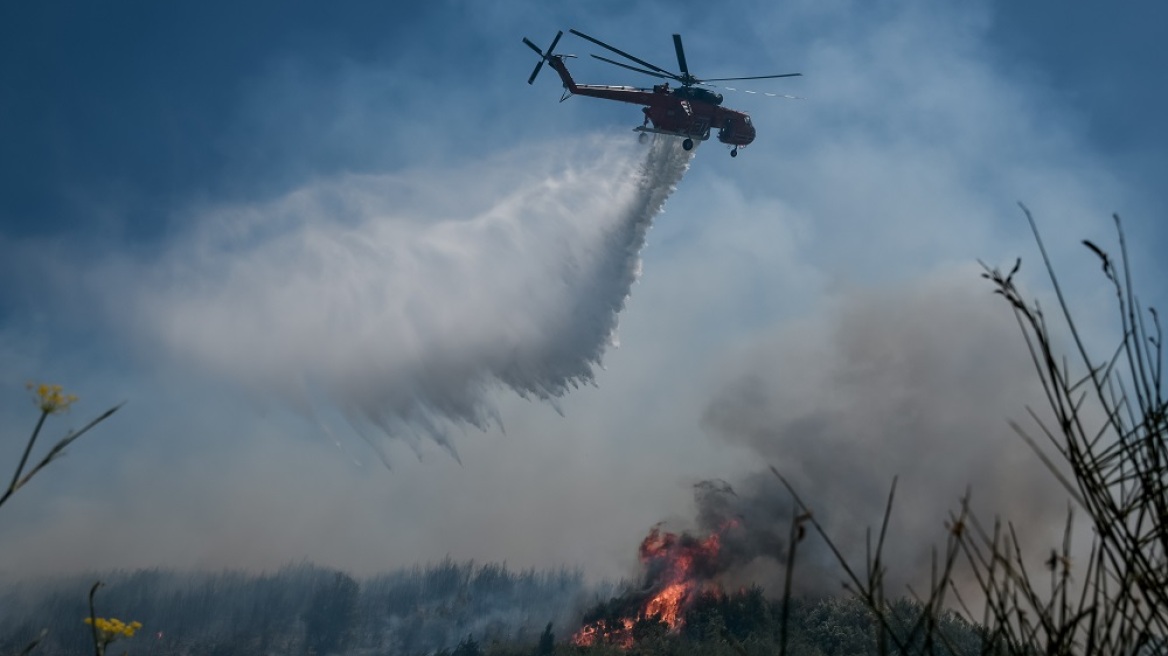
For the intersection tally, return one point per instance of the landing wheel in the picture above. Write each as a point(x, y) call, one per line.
point(734, 153)
point(642, 137)
point(687, 144)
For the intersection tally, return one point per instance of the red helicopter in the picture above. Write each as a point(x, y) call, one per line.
point(687, 111)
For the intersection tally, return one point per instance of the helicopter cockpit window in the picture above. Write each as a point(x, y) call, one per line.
point(746, 119)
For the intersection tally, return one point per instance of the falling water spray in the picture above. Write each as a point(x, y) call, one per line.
point(403, 301)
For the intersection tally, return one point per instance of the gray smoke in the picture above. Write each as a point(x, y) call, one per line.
point(405, 302)
point(916, 382)
point(753, 525)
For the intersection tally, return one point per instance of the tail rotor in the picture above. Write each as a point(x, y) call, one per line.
point(543, 56)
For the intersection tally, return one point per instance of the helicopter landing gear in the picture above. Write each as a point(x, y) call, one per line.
point(687, 144)
point(734, 152)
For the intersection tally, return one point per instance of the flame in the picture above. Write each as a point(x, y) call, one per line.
point(675, 558)
point(596, 633)
point(677, 569)
point(667, 604)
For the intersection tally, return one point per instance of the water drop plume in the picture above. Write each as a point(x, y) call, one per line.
point(405, 300)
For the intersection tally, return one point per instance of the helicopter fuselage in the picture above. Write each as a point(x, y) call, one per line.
point(684, 111)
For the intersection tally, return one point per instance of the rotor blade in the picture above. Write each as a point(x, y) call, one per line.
point(634, 68)
point(533, 46)
point(622, 53)
point(680, 54)
point(756, 77)
point(538, 67)
point(556, 40)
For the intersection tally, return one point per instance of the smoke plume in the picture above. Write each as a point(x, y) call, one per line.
point(916, 383)
point(404, 302)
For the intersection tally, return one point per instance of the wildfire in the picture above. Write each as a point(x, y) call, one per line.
point(596, 633)
point(678, 567)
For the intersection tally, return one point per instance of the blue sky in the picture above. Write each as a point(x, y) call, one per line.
point(197, 200)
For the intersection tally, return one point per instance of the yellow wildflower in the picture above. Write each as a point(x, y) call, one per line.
point(111, 629)
point(50, 398)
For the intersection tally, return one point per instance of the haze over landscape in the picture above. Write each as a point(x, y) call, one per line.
point(373, 301)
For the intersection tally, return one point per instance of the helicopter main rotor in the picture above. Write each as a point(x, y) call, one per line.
point(686, 78)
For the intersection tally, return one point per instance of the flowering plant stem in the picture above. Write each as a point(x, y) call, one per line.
point(98, 650)
point(50, 400)
point(24, 458)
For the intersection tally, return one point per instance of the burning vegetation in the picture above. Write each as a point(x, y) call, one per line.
point(678, 570)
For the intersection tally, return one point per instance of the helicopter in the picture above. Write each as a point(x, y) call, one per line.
point(688, 111)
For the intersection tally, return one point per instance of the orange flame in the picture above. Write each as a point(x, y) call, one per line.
point(677, 566)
